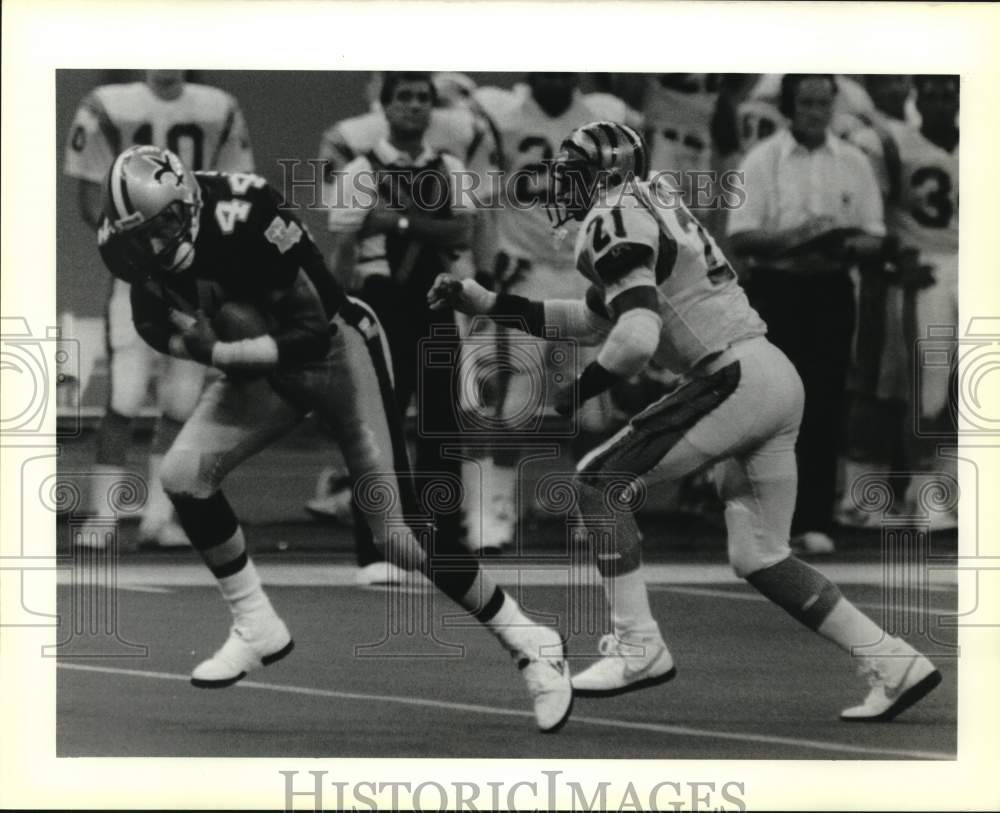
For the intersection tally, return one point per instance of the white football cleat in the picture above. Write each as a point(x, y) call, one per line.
point(898, 680)
point(630, 661)
point(541, 657)
point(252, 643)
point(380, 574)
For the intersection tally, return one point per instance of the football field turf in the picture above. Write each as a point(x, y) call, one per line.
point(365, 680)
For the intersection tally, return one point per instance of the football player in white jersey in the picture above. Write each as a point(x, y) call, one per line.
point(661, 291)
point(531, 120)
point(678, 110)
point(205, 127)
point(919, 173)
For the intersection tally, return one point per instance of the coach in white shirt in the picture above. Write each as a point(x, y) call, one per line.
point(812, 211)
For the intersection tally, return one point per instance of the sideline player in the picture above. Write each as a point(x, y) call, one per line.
point(205, 126)
point(918, 170)
point(661, 289)
point(531, 120)
point(189, 243)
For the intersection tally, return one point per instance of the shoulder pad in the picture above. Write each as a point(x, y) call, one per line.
point(622, 258)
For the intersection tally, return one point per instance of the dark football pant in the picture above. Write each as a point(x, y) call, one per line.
point(425, 350)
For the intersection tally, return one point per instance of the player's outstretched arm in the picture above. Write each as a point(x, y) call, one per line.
point(575, 319)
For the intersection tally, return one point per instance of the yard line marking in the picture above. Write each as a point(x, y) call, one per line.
point(144, 588)
point(740, 596)
point(319, 573)
point(475, 708)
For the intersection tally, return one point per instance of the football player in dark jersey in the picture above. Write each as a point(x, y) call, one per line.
point(191, 243)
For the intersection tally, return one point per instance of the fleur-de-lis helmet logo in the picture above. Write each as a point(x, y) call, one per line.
point(165, 166)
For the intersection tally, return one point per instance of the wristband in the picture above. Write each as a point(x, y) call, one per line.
point(530, 314)
point(258, 353)
point(594, 380)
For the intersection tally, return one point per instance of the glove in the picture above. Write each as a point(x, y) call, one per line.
point(199, 339)
point(464, 296)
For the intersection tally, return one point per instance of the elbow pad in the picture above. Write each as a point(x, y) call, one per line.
point(632, 342)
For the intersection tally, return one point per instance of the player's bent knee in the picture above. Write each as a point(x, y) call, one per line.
point(750, 546)
point(184, 474)
point(746, 559)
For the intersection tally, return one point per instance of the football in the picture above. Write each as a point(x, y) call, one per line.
point(239, 320)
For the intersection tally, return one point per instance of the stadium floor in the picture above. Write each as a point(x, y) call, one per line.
point(751, 683)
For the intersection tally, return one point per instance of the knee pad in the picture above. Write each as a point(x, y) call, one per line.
point(188, 473)
point(614, 533)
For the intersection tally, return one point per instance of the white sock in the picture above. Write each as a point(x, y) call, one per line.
point(509, 624)
point(854, 631)
point(474, 484)
point(628, 599)
point(244, 591)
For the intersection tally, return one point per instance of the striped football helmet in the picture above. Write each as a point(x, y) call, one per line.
point(151, 208)
point(599, 155)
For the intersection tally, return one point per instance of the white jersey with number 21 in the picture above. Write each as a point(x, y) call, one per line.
point(641, 234)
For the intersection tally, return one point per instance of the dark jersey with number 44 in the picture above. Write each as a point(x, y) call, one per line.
point(248, 250)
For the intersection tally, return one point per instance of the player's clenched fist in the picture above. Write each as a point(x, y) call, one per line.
point(464, 296)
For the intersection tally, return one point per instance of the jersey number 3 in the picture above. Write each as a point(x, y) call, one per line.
point(934, 208)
